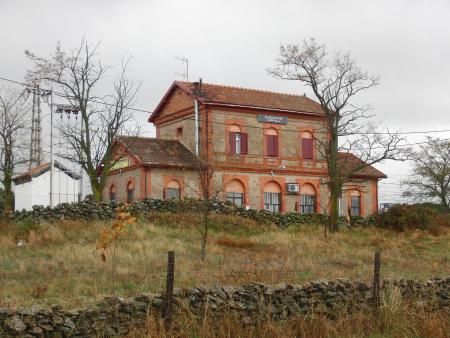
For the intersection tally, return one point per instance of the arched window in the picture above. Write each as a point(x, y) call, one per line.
point(172, 190)
point(238, 141)
point(271, 142)
point(112, 193)
point(307, 199)
point(355, 203)
point(235, 192)
point(130, 192)
point(307, 145)
point(272, 197)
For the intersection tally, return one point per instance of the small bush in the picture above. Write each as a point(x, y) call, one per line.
point(417, 216)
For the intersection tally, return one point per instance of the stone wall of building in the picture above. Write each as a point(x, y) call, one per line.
point(187, 179)
point(114, 317)
point(120, 180)
point(289, 138)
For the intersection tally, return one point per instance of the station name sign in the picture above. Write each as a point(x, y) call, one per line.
point(272, 119)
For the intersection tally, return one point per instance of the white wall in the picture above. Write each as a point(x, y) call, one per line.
point(37, 192)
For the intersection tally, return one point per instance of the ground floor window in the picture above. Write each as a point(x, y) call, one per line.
point(112, 193)
point(172, 191)
point(235, 192)
point(355, 203)
point(272, 201)
point(307, 199)
point(130, 192)
point(235, 198)
point(172, 194)
point(307, 204)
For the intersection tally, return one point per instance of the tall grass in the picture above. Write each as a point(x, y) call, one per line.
point(395, 319)
point(59, 262)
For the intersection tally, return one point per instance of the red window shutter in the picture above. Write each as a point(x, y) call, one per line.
point(232, 142)
point(269, 145)
point(275, 145)
point(307, 148)
point(244, 143)
point(272, 145)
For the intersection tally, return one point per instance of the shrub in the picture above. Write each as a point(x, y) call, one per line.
point(425, 216)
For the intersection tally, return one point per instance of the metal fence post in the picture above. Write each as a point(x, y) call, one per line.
point(167, 310)
point(376, 280)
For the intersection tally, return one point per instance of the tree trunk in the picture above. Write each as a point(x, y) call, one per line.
point(9, 197)
point(334, 209)
point(97, 189)
point(334, 176)
point(205, 229)
point(444, 201)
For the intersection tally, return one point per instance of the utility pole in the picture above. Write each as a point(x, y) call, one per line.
point(36, 130)
point(80, 194)
point(67, 110)
point(51, 150)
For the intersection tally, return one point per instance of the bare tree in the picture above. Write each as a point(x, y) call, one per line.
point(14, 126)
point(79, 75)
point(206, 173)
point(430, 178)
point(335, 81)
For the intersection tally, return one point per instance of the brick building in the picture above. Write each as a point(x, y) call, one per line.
point(264, 147)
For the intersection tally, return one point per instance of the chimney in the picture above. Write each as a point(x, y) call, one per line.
point(198, 88)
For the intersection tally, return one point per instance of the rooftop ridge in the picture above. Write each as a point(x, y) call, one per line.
point(146, 138)
point(250, 89)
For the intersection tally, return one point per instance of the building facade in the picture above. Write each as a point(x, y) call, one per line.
point(265, 149)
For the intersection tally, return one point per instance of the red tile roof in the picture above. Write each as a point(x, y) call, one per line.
point(349, 162)
point(244, 97)
point(158, 152)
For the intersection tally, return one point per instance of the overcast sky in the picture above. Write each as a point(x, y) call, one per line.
point(405, 43)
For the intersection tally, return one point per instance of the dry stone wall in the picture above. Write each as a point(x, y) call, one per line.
point(114, 317)
point(89, 211)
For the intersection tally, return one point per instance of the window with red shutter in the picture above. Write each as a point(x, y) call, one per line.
point(272, 145)
point(307, 148)
point(244, 143)
point(269, 145)
point(275, 145)
point(232, 142)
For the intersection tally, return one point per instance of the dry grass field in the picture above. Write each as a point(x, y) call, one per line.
point(395, 320)
point(59, 263)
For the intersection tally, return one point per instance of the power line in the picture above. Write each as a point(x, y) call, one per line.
point(247, 126)
point(73, 97)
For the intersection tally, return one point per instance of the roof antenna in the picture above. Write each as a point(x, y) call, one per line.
point(183, 60)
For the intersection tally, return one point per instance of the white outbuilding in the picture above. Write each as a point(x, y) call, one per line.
point(33, 187)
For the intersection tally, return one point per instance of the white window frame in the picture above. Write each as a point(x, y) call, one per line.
point(238, 143)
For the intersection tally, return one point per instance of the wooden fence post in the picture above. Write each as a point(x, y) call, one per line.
point(376, 280)
point(167, 309)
